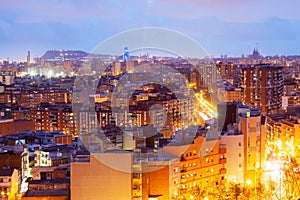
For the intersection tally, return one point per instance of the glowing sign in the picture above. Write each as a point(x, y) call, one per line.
point(248, 113)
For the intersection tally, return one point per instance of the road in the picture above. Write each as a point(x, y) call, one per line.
point(206, 110)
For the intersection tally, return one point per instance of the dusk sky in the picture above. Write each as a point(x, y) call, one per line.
point(220, 26)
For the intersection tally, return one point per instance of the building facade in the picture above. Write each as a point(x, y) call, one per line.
point(262, 87)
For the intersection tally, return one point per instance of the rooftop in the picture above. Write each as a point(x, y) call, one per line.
point(54, 181)
point(6, 172)
point(45, 193)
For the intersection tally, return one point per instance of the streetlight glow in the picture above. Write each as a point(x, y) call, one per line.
point(248, 182)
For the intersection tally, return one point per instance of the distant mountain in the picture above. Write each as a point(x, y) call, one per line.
point(63, 55)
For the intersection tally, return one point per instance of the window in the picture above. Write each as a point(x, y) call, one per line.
point(240, 144)
point(176, 169)
point(4, 180)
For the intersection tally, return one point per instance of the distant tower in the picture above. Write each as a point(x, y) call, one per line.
point(116, 69)
point(126, 54)
point(28, 57)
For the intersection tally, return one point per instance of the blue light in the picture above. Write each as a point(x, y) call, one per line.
point(126, 54)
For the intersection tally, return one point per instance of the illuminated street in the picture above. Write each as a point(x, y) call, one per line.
point(149, 100)
point(207, 110)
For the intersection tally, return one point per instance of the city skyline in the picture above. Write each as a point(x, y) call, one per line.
point(221, 28)
point(149, 100)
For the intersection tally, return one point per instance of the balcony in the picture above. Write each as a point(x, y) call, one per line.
point(136, 176)
point(136, 187)
point(222, 161)
point(223, 181)
point(183, 181)
point(137, 197)
point(222, 171)
point(222, 150)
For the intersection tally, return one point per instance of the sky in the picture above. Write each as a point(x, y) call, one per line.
point(231, 27)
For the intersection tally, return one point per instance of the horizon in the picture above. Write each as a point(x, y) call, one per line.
point(134, 55)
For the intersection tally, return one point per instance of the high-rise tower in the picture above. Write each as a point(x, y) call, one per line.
point(262, 87)
point(28, 57)
point(125, 54)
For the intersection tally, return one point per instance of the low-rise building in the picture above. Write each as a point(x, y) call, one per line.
point(9, 183)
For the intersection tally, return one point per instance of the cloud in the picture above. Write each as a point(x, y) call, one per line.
point(218, 4)
point(228, 10)
point(32, 11)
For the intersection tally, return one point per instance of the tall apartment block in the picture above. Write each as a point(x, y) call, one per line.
point(245, 139)
point(262, 87)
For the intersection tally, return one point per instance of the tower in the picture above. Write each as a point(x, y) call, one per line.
point(28, 57)
point(130, 65)
point(125, 54)
point(262, 87)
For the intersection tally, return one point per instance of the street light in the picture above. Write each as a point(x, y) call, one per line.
point(248, 182)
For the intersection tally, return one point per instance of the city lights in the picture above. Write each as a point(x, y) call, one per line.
point(149, 113)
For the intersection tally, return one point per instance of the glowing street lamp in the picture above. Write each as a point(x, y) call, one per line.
point(248, 182)
point(32, 73)
point(50, 73)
